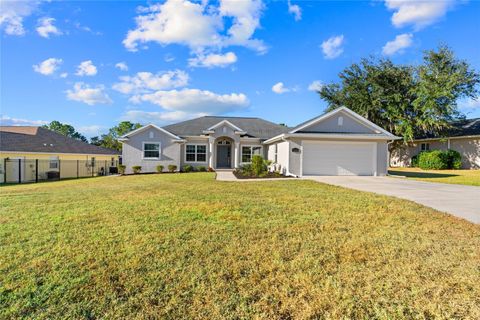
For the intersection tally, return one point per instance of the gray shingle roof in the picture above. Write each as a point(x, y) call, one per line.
point(460, 128)
point(38, 139)
point(255, 127)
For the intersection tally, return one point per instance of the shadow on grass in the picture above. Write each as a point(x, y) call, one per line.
point(413, 174)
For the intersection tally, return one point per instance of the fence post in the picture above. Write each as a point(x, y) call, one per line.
point(19, 170)
point(59, 170)
point(5, 170)
point(78, 161)
point(36, 170)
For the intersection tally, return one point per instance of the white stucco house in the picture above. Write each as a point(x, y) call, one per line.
point(340, 142)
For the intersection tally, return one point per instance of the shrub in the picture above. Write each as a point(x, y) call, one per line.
point(454, 159)
point(433, 160)
point(172, 168)
point(187, 168)
point(160, 169)
point(136, 169)
point(258, 165)
point(202, 169)
point(121, 168)
point(246, 169)
point(414, 163)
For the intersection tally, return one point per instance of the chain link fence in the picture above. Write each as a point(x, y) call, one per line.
point(36, 170)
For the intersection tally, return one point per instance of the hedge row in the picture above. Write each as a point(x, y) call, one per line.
point(437, 160)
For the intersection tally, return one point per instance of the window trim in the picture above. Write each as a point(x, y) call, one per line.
point(427, 146)
point(159, 150)
point(251, 146)
point(196, 153)
point(51, 161)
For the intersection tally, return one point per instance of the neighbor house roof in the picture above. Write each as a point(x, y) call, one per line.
point(41, 140)
point(460, 128)
point(254, 127)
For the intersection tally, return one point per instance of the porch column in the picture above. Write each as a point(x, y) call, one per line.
point(211, 146)
point(237, 154)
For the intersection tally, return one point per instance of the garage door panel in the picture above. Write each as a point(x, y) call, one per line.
point(338, 158)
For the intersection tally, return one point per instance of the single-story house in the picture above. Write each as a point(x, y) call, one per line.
point(20, 146)
point(340, 142)
point(463, 136)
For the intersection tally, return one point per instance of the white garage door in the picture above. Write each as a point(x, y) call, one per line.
point(339, 158)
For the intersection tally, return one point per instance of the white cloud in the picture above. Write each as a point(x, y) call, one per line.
point(91, 131)
point(419, 13)
point(156, 117)
point(122, 66)
point(470, 103)
point(332, 47)
point(295, 10)
point(280, 88)
point(195, 101)
point(198, 25)
point(213, 60)
point(9, 121)
point(146, 81)
point(89, 95)
point(46, 27)
point(315, 86)
point(63, 75)
point(86, 68)
point(12, 14)
point(48, 67)
point(401, 42)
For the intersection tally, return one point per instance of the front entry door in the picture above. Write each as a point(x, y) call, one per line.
point(224, 156)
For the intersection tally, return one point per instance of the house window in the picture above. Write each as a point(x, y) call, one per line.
point(53, 163)
point(93, 162)
point(151, 150)
point(425, 147)
point(112, 163)
point(196, 153)
point(249, 151)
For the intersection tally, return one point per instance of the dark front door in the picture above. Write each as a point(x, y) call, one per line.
point(224, 156)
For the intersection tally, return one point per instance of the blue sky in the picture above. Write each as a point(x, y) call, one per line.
point(92, 64)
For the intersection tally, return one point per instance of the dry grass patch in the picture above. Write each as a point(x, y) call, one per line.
point(187, 246)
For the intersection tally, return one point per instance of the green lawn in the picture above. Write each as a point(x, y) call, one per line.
point(467, 177)
point(186, 246)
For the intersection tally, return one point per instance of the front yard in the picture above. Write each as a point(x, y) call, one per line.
point(466, 177)
point(187, 246)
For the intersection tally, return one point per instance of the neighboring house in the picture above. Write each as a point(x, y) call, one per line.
point(464, 137)
point(52, 149)
point(340, 142)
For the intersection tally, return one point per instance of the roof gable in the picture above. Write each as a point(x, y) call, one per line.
point(148, 126)
point(351, 122)
point(225, 122)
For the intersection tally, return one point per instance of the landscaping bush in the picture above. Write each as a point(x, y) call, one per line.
point(172, 168)
point(246, 169)
point(187, 168)
point(136, 169)
point(454, 159)
point(202, 169)
point(437, 160)
point(258, 165)
point(433, 160)
point(414, 163)
point(160, 169)
point(121, 168)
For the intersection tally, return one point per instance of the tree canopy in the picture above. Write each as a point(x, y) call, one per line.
point(65, 129)
point(406, 100)
point(110, 140)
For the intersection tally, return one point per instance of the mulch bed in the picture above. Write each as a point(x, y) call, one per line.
point(269, 175)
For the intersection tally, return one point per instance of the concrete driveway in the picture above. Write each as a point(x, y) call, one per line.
point(458, 200)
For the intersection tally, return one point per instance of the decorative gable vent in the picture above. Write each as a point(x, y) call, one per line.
point(340, 121)
point(151, 134)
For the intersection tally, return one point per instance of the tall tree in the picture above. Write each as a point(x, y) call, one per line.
point(65, 129)
point(110, 140)
point(406, 100)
